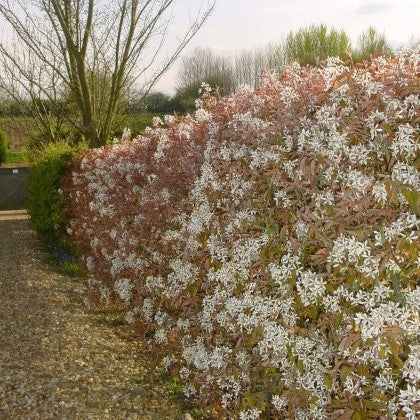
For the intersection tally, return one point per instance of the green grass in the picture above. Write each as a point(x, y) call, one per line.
point(15, 118)
point(71, 269)
point(17, 157)
point(174, 387)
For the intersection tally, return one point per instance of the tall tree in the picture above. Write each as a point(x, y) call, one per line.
point(371, 43)
point(250, 64)
point(89, 50)
point(308, 45)
point(203, 65)
point(223, 72)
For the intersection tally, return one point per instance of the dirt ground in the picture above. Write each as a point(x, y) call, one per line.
point(59, 359)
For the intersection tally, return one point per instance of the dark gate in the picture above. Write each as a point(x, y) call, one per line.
point(13, 194)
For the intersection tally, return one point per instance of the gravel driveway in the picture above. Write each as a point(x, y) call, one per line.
point(57, 358)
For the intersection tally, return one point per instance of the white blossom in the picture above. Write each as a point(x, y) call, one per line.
point(123, 287)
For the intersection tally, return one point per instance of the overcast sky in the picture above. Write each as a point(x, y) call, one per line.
point(239, 24)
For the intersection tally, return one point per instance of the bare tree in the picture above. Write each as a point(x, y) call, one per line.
point(250, 64)
point(203, 65)
point(225, 72)
point(89, 51)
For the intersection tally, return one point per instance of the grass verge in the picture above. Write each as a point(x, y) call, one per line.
point(17, 157)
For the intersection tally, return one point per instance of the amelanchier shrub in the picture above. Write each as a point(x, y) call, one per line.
point(46, 202)
point(268, 244)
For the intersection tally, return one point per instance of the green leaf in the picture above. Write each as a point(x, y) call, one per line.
point(413, 198)
point(192, 289)
point(300, 366)
point(328, 381)
point(239, 289)
point(374, 405)
point(396, 285)
point(413, 251)
point(313, 311)
point(338, 319)
point(345, 371)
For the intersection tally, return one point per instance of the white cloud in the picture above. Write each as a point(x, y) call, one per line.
point(373, 7)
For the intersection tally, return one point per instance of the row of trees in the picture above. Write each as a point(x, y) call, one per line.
point(308, 46)
point(79, 63)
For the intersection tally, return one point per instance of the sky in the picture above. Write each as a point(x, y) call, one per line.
point(244, 24)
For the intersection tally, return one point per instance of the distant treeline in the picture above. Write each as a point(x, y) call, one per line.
point(226, 73)
point(308, 46)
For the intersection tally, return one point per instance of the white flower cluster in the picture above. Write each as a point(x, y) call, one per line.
point(349, 249)
point(123, 288)
point(284, 282)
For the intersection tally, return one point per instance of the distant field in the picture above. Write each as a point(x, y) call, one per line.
point(18, 130)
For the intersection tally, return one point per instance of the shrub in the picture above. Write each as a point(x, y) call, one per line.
point(157, 103)
point(3, 146)
point(268, 245)
point(46, 204)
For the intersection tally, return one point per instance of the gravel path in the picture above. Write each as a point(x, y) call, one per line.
point(58, 359)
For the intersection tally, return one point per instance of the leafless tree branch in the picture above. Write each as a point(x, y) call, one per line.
point(88, 52)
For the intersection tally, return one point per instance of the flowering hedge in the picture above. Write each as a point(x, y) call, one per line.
point(268, 244)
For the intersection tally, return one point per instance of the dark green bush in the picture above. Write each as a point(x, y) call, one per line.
point(157, 103)
point(46, 204)
point(3, 146)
